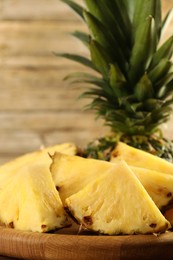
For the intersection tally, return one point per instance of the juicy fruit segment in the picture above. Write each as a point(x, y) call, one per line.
point(116, 204)
point(35, 204)
point(158, 185)
point(8, 169)
point(139, 158)
point(72, 173)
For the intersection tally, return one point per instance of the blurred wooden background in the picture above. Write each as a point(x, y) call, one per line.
point(36, 106)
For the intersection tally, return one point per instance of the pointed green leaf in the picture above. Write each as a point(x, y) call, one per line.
point(169, 89)
point(93, 7)
point(116, 75)
point(76, 7)
point(168, 103)
point(144, 88)
point(161, 87)
point(151, 104)
point(143, 9)
point(142, 50)
point(158, 17)
point(95, 92)
point(100, 58)
point(106, 39)
point(80, 59)
point(81, 76)
point(121, 15)
point(130, 6)
point(83, 37)
point(164, 52)
point(159, 71)
point(117, 81)
point(161, 114)
point(108, 16)
point(97, 29)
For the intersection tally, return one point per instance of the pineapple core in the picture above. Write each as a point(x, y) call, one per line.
point(116, 203)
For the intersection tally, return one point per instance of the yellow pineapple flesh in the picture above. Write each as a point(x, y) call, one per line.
point(116, 203)
point(72, 173)
point(8, 169)
point(34, 203)
point(158, 185)
point(139, 158)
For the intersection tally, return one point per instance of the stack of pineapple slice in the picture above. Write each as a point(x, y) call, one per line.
point(116, 203)
point(114, 198)
point(118, 197)
point(35, 204)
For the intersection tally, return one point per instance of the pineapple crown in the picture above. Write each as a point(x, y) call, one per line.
point(132, 84)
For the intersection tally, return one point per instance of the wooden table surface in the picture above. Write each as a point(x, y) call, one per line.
point(8, 258)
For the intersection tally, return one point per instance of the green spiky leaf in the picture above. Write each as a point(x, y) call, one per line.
point(144, 88)
point(143, 49)
point(77, 58)
point(83, 37)
point(165, 51)
point(100, 58)
point(76, 7)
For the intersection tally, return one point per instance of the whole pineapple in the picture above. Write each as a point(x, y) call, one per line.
point(133, 84)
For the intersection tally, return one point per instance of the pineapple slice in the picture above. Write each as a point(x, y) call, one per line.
point(139, 158)
point(73, 173)
point(116, 203)
point(8, 169)
point(158, 185)
point(35, 204)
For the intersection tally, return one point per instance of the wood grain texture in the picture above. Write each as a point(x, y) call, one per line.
point(70, 245)
point(36, 106)
point(35, 10)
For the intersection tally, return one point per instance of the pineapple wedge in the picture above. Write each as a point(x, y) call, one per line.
point(116, 203)
point(8, 169)
point(73, 173)
point(139, 158)
point(35, 204)
point(158, 185)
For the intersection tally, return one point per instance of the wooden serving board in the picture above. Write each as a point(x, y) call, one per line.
point(70, 244)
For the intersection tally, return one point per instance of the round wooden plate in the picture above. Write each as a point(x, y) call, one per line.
point(70, 244)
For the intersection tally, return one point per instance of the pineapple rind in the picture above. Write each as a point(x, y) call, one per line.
point(117, 203)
